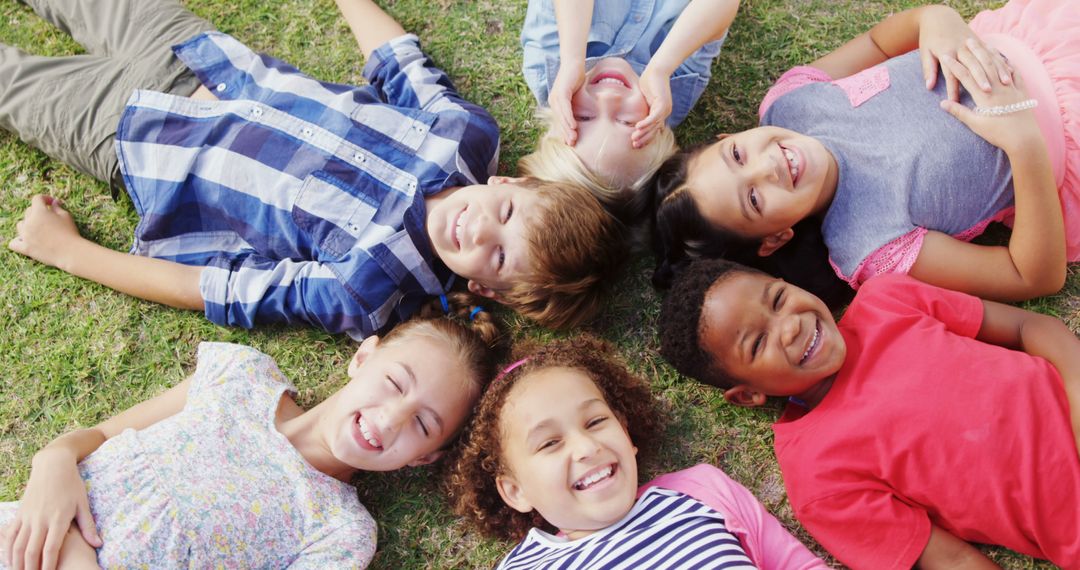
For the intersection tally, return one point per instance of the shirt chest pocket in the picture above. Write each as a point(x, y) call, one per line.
point(862, 86)
point(406, 128)
point(332, 214)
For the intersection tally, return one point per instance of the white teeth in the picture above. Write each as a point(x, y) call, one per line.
point(371, 439)
point(583, 484)
point(457, 231)
point(793, 163)
point(813, 343)
point(610, 80)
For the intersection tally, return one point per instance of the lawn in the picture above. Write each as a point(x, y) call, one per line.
point(73, 353)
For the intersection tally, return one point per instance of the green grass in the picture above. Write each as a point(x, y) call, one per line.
point(73, 353)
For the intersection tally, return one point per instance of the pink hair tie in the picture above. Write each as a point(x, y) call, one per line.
point(510, 369)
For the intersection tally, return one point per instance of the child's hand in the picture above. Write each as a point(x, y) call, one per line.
point(1009, 131)
point(943, 33)
point(54, 496)
point(570, 78)
point(656, 87)
point(45, 232)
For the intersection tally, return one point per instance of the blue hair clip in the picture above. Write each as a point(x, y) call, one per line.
point(445, 304)
point(798, 402)
point(476, 311)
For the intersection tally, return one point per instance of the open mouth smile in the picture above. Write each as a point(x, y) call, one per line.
point(595, 477)
point(610, 78)
point(368, 435)
point(815, 341)
point(794, 161)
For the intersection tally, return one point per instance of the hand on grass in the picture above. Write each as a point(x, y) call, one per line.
point(570, 78)
point(943, 33)
point(46, 231)
point(54, 497)
point(656, 87)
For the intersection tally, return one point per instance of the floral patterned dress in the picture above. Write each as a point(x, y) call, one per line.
point(217, 486)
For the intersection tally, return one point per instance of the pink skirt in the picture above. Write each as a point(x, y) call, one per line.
point(1051, 29)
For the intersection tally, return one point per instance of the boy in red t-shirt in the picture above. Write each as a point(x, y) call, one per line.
point(914, 426)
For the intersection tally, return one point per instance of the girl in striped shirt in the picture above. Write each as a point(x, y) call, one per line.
point(553, 446)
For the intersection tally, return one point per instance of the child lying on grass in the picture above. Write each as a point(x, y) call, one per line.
point(924, 420)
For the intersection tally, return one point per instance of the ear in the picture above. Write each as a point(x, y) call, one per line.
point(745, 396)
point(484, 291)
point(367, 346)
point(505, 180)
point(512, 494)
point(775, 241)
point(426, 458)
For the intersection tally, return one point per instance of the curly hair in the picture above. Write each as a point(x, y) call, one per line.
point(680, 320)
point(681, 234)
point(470, 482)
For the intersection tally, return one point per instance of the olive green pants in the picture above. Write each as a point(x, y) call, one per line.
point(69, 106)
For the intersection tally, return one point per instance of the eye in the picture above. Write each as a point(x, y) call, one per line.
point(509, 213)
point(625, 123)
point(776, 301)
point(502, 258)
point(595, 422)
point(755, 203)
point(548, 444)
point(736, 154)
point(759, 343)
point(582, 118)
point(395, 385)
point(423, 427)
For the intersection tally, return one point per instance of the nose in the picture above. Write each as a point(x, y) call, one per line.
point(483, 229)
point(764, 170)
point(584, 446)
point(609, 103)
point(394, 415)
point(790, 328)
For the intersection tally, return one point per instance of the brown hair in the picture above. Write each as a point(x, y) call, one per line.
point(471, 479)
point(476, 338)
point(577, 250)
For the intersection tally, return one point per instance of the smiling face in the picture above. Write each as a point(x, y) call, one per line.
point(762, 181)
point(398, 409)
point(568, 456)
point(772, 337)
point(481, 232)
point(606, 108)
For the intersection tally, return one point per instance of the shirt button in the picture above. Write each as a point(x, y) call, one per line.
point(257, 112)
point(221, 87)
point(419, 129)
point(307, 132)
point(359, 157)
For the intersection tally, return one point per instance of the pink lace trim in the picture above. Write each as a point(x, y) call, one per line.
point(897, 256)
point(862, 86)
point(791, 80)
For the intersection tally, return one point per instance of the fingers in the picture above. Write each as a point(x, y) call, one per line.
point(567, 124)
point(18, 549)
point(958, 110)
point(50, 554)
point(958, 70)
point(974, 66)
point(11, 532)
point(929, 68)
point(85, 519)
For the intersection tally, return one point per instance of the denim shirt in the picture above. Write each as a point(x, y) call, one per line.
point(630, 29)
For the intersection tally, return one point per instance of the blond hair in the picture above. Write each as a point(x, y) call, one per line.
point(555, 161)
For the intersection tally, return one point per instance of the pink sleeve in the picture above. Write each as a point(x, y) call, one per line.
point(897, 256)
point(960, 313)
point(766, 541)
point(791, 80)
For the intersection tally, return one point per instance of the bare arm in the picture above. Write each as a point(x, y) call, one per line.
point(572, 18)
point(936, 30)
point(48, 234)
point(55, 495)
point(946, 551)
point(370, 25)
point(1033, 263)
point(1038, 335)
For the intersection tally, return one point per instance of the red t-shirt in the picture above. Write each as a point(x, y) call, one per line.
point(924, 424)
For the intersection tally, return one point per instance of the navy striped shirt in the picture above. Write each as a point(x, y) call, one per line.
point(302, 199)
point(665, 529)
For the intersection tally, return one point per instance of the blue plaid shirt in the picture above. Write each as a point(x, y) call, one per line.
point(304, 200)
